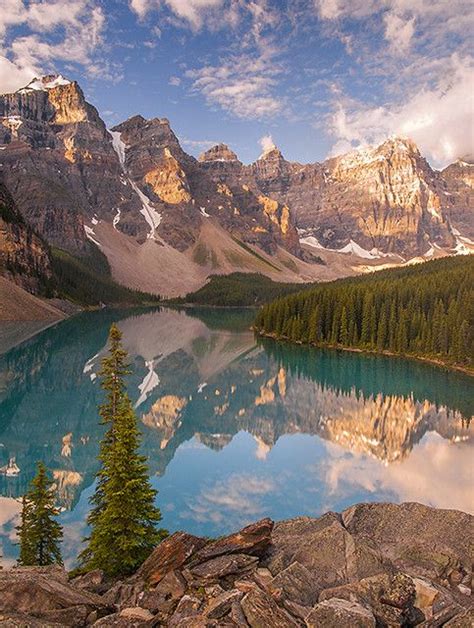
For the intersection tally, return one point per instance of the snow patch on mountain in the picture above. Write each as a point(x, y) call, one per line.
point(352, 248)
point(90, 234)
point(116, 219)
point(152, 217)
point(43, 83)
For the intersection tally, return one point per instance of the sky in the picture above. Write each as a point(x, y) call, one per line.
point(314, 77)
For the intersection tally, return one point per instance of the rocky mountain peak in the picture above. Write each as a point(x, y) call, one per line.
point(271, 154)
point(44, 83)
point(219, 152)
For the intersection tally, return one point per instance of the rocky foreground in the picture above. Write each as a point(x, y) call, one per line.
point(373, 565)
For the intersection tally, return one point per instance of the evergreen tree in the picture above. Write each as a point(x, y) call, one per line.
point(39, 533)
point(123, 518)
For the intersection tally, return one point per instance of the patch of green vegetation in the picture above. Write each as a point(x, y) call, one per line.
point(255, 254)
point(239, 289)
point(87, 280)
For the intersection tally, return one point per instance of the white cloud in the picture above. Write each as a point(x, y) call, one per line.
point(175, 81)
point(58, 30)
point(438, 119)
point(267, 144)
point(399, 32)
point(242, 85)
point(191, 12)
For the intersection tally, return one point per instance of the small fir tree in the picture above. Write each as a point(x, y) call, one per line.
point(39, 532)
point(123, 518)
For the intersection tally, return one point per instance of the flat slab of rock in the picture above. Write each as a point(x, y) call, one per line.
point(253, 540)
point(26, 590)
point(170, 554)
point(222, 568)
point(337, 613)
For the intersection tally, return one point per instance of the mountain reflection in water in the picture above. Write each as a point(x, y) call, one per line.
point(234, 429)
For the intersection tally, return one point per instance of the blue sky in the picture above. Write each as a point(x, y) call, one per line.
point(316, 77)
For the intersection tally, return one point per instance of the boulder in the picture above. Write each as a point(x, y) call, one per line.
point(224, 569)
point(253, 540)
point(326, 549)
point(260, 609)
point(20, 620)
point(32, 591)
point(295, 584)
point(169, 555)
point(390, 597)
point(165, 596)
point(92, 581)
point(222, 604)
point(419, 540)
point(464, 619)
point(336, 613)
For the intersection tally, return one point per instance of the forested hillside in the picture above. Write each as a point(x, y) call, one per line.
point(239, 289)
point(425, 310)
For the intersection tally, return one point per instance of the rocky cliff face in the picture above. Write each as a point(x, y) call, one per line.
point(68, 173)
point(24, 257)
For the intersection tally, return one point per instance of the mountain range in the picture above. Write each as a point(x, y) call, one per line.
point(166, 221)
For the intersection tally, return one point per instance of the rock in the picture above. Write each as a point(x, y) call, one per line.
point(426, 594)
point(222, 604)
point(253, 540)
point(222, 568)
point(123, 594)
point(171, 554)
point(33, 591)
point(390, 597)
point(166, 595)
point(462, 620)
point(19, 620)
point(136, 612)
point(325, 548)
point(296, 584)
point(337, 613)
point(260, 609)
point(92, 581)
point(187, 609)
point(421, 541)
point(72, 616)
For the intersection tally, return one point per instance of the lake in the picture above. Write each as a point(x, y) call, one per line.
point(235, 429)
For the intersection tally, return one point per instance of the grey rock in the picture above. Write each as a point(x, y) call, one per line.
point(337, 613)
point(36, 592)
point(222, 568)
point(260, 609)
point(222, 604)
point(296, 585)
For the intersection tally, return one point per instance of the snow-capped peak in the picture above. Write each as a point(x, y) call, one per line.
point(43, 83)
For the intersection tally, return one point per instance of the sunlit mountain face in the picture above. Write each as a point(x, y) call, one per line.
point(233, 428)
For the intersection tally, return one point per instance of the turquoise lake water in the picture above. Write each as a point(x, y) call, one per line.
point(234, 429)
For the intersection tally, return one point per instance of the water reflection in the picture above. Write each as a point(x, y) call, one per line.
point(233, 429)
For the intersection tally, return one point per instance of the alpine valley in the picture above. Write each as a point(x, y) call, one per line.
point(166, 221)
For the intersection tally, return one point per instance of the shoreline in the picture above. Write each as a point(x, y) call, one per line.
point(404, 356)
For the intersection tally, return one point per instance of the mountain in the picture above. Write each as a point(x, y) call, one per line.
point(24, 256)
point(166, 221)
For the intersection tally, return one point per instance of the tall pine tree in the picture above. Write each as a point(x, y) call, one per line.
point(123, 518)
point(39, 532)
